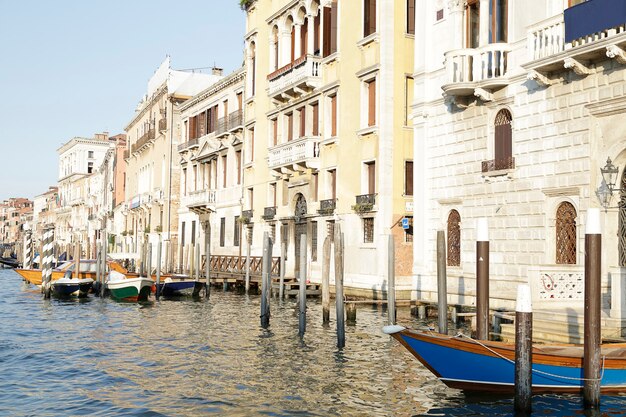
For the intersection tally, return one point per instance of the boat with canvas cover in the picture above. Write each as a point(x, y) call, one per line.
point(122, 287)
point(172, 287)
point(72, 287)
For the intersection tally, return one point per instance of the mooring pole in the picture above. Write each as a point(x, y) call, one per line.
point(391, 281)
point(77, 258)
point(326, 280)
point(46, 270)
point(149, 261)
point(339, 306)
point(523, 351)
point(482, 279)
point(103, 264)
point(302, 279)
point(591, 359)
point(99, 279)
point(248, 248)
point(158, 268)
point(207, 269)
point(197, 269)
point(442, 283)
point(281, 284)
point(265, 310)
point(27, 261)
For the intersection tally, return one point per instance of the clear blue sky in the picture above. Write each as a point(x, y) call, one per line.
point(78, 67)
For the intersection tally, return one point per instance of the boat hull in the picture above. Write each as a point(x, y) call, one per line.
point(173, 288)
point(66, 287)
point(130, 289)
point(482, 366)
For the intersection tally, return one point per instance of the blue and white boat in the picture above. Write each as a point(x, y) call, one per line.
point(177, 287)
point(479, 365)
point(72, 287)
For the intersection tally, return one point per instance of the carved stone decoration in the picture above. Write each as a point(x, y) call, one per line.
point(576, 66)
point(300, 208)
point(617, 53)
point(483, 94)
point(539, 78)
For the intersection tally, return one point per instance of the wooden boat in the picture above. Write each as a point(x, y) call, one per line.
point(87, 270)
point(72, 287)
point(122, 287)
point(10, 262)
point(172, 287)
point(478, 365)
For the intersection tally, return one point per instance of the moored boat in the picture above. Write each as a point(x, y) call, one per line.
point(72, 287)
point(87, 270)
point(122, 287)
point(479, 365)
point(172, 287)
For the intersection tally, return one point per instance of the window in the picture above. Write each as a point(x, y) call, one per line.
point(369, 17)
point(193, 233)
point(224, 170)
point(410, 17)
point(503, 139)
point(289, 117)
point(333, 115)
point(566, 234)
point(89, 154)
point(498, 21)
point(315, 185)
point(275, 48)
point(251, 144)
point(222, 231)
point(239, 101)
point(89, 167)
point(313, 241)
point(332, 183)
point(250, 198)
point(274, 132)
point(253, 67)
point(304, 36)
point(408, 99)
point(195, 177)
point(368, 229)
point(184, 181)
point(238, 164)
point(329, 35)
point(293, 42)
point(408, 178)
point(408, 233)
point(236, 231)
point(315, 129)
point(454, 238)
point(370, 168)
point(472, 24)
point(272, 196)
point(371, 102)
point(302, 121)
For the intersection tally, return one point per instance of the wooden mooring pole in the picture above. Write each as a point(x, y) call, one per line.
point(302, 281)
point(207, 270)
point(391, 281)
point(248, 248)
point(46, 270)
point(103, 265)
point(442, 284)
point(482, 279)
point(523, 351)
point(265, 271)
point(339, 305)
point(281, 283)
point(158, 268)
point(592, 338)
point(77, 259)
point(326, 280)
point(99, 279)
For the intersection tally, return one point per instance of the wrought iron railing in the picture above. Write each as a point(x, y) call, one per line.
point(327, 207)
point(247, 215)
point(143, 140)
point(189, 144)
point(235, 120)
point(364, 202)
point(269, 213)
point(498, 164)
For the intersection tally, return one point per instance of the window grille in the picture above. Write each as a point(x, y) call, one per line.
point(454, 238)
point(566, 234)
point(368, 229)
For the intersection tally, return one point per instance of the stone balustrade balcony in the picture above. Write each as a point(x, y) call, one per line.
point(295, 155)
point(200, 201)
point(296, 78)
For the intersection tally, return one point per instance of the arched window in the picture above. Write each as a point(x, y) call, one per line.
point(566, 234)
point(621, 232)
point(454, 238)
point(503, 148)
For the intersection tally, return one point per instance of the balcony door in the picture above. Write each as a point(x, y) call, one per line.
point(498, 18)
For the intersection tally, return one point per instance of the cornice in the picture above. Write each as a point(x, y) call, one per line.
point(148, 105)
point(223, 84)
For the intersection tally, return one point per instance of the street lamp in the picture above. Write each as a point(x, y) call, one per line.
point(607, 187)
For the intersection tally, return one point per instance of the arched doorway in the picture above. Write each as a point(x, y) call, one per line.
point(300, 229)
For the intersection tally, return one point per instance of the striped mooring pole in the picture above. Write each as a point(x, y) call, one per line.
point(27, 262)
point(48, 251)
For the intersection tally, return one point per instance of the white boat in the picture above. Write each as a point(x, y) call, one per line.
point(72, 287)
point(131, 289)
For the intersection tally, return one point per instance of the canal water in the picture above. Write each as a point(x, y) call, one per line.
point(98, 357)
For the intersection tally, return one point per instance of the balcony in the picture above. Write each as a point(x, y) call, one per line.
point(246, 216)
point(235, 121)
point(162, 124)
point(476, 71)
point(191, 143)
point(143, 142)
point(327, 207)
point(295, 155)
point(583, 34)
point(295, 78)
point(269, 213)
point(222, 126)
point(364, 203)
point(496, 165)
point(200, 202)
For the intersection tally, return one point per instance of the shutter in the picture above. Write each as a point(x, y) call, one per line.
point(326, 32)
point(239, 100)
point(371, 111)
point(302, 116)
point(410, 18)
point(304, 32)
point(290, 126)
point(224, 171)
point(366, 17)
point(316, 116)
point(371, 178)
point(333, 116)
point(334, 14)
point(275, 133)
point(225, 109)
point(408, 175)
point(316, 34)
point(372, 18)
point(333, 184)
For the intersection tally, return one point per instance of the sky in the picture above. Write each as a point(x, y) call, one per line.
point(79, 67)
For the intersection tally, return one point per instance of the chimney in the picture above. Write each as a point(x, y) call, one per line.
point(217, 71)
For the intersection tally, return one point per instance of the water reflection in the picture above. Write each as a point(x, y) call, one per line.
point(193, 358)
